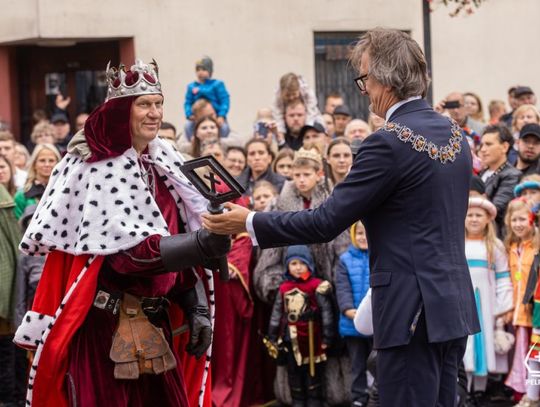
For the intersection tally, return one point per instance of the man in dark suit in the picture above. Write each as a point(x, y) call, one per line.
point(409, 185)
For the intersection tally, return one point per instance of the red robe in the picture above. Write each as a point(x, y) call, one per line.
point(78, 345)
point(234, 311)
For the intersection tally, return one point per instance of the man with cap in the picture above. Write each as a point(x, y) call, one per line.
point(528, 148)
point(62, 129)
point(213, 90)
point(342, 116)
point(314, 134)
point(524, 96)
point(120, 226)
point(518, 96)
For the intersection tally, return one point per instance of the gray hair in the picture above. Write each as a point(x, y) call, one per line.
point(396, 60)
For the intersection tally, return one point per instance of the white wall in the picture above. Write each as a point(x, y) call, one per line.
point(253, 42)
point(488, 51)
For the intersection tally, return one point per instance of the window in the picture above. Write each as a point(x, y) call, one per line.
point(333, 73)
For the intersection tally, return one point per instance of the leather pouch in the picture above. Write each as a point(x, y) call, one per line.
point(138, 346)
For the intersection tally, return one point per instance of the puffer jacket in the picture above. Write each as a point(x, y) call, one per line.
point(352, 284)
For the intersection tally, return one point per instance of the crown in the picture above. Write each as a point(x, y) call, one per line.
point(309, 154)
point(141, 79)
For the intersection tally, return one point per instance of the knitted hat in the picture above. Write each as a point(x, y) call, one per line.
point(479, 202)
point(518, 190)
point(205, 63)
point(301, 253)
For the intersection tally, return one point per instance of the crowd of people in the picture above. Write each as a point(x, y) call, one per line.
point(284, 322)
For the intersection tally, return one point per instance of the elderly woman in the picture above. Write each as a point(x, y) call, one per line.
point(43, 133)
point(523, 115)
point(42, 162)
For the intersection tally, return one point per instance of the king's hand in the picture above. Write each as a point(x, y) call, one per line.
point(232, 221)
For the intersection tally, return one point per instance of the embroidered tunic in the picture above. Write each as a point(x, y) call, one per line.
point(493, 293)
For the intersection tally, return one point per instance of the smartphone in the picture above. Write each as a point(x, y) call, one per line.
point(452, 104)
point(262, 129)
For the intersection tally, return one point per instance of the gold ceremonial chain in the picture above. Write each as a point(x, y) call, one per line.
point(420, 143)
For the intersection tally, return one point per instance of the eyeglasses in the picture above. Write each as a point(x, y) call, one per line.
point(361, 82)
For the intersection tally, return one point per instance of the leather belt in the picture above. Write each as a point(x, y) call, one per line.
point(110, 301)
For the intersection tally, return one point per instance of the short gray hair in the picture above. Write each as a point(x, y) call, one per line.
point(396, 60)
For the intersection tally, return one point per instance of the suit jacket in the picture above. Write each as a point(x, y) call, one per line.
point(413, 208)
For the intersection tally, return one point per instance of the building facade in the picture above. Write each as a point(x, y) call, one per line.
point(51, 46)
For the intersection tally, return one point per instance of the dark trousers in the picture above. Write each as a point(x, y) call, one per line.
point(359, 350)
point(13, 366)
point(306, 390)
point(420, 374)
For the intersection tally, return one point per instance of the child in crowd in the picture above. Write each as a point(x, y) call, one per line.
point(488, 265)
point(213, 90)
point(283, 163)
point(529, 188)
point(352, 284)
point(302, 319)
point(293, 87)
point(522, 245)
point(263, 193)
point(305, 191)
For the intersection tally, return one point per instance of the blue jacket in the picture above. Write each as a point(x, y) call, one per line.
point(352, 284)
point(212, 90)
point(413, 208)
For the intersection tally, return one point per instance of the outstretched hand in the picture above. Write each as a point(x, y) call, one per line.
point(230, 222)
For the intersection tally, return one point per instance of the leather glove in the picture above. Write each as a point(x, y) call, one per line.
point(212, 245)
point(198, 315)
point(187, 250)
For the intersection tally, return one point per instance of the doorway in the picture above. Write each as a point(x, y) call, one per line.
point(76, 72)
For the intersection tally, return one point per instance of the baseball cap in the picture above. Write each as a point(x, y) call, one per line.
point(530, 128)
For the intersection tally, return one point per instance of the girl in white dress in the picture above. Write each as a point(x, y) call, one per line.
point(488, 265)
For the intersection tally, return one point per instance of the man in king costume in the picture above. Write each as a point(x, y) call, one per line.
point(120, 226)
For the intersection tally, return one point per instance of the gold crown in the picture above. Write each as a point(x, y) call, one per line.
point(309, 154)
point(141, 79)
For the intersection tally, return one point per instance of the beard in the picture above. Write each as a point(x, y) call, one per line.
point(526, 160)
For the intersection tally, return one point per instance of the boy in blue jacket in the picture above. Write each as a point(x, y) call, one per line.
point(352, 284)
point(213, 90)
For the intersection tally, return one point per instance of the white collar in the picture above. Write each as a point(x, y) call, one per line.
point(394, 107)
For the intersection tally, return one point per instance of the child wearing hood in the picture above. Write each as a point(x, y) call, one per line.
point(302, 320)
point(352, 285)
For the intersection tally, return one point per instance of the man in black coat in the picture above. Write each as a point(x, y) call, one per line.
point(409, 185)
